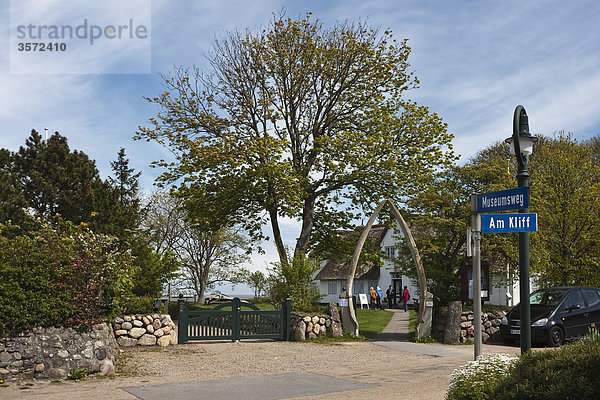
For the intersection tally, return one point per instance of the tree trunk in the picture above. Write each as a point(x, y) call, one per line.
point(452, 326)
point(277, 237)
point(308, 219)
point(200, 289)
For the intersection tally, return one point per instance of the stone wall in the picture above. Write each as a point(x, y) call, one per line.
point(313, 326)
point(490, 326)
point(309, 326)
point(52, 353)
point(145, 330)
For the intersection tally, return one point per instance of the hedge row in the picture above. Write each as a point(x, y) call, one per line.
point(65, 277)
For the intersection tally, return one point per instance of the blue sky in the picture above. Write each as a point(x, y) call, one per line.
point(476, 61)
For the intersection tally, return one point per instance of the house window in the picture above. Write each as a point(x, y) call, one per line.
point(359, 287)
point(332, 287)
point(390, 251)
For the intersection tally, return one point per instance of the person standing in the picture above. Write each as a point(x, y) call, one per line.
point(389, 293)
point(379, 297)
point(372, 298)
point(405, 298)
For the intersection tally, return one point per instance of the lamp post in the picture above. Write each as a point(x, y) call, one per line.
point(521, 144)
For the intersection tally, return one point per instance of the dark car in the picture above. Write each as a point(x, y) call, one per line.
point(557, 314)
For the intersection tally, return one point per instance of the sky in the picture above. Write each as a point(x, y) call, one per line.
point(475, 60)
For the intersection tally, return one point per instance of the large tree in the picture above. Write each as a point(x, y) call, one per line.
point(565, 193)
point(565, 190)
point(298, 120)
point(58, 181)
point(13, 204)
point(206, 257)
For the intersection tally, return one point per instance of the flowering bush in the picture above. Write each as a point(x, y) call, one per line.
point(478, 379)
point(66, 277)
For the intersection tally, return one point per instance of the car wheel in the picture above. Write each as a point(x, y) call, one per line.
point(508, 340)
point(556, 337)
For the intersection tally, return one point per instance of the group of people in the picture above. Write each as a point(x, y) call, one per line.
point(376, 296)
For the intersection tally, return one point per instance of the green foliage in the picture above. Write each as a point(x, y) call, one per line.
point(120, 212)
point(152, 270)
point(440, 215)
point(57, 181)
point(570, 372)
point(298, 120)
point(257, 281)
point(137, 305)
point(478, 379)
point(294, 280)
point(565, 184)
point(341, 245)
point(66, 277)
point(207, 251)
point(12, 200)
point(77, 374)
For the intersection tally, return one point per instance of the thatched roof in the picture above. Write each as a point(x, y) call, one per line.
point(339, 269)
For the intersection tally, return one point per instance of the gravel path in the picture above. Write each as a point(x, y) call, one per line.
point(406, 375)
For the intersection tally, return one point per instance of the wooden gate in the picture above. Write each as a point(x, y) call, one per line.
point(230, 321)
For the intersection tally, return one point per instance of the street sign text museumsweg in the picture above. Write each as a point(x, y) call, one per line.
point(504, 200)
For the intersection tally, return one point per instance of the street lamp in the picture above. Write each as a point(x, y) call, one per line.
point(521, 144)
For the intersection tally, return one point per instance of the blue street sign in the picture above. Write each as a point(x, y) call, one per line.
point(504, 223)
point(512, 199)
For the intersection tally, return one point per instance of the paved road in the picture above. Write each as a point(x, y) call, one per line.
point(262, 387)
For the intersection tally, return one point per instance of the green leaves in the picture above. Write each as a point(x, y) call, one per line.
point(67, 277)
point(565, 192)
point(297, 120)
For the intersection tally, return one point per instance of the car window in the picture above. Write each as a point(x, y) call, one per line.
point(575, 298)
point(592, 296)
point(547, 297)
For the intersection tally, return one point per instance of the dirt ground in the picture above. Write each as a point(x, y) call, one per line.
point(402, 374)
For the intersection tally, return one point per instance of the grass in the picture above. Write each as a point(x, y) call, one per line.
point(126, 366)
point(372, 322)
point(77, 374)
point(412, 323)
point(337, 341)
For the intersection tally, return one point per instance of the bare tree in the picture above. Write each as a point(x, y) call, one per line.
point(208, 256)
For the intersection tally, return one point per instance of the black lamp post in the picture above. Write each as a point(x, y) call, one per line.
point(521, 144)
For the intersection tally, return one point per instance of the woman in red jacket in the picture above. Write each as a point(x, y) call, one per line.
point(405, 297)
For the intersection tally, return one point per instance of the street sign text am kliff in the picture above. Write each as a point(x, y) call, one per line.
point(505, 223)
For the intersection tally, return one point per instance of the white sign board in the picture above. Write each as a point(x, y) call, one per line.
point(343, 302)
point(363, 300)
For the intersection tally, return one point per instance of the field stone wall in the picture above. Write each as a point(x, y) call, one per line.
point(145, 330)
point(313, 326)
point(490, 326)
point(52, 353)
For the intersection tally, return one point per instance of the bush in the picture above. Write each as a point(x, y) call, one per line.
point(66, 277)
point(137, 305)
point(478, 379)
point(295, 280)
point(570, 372)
